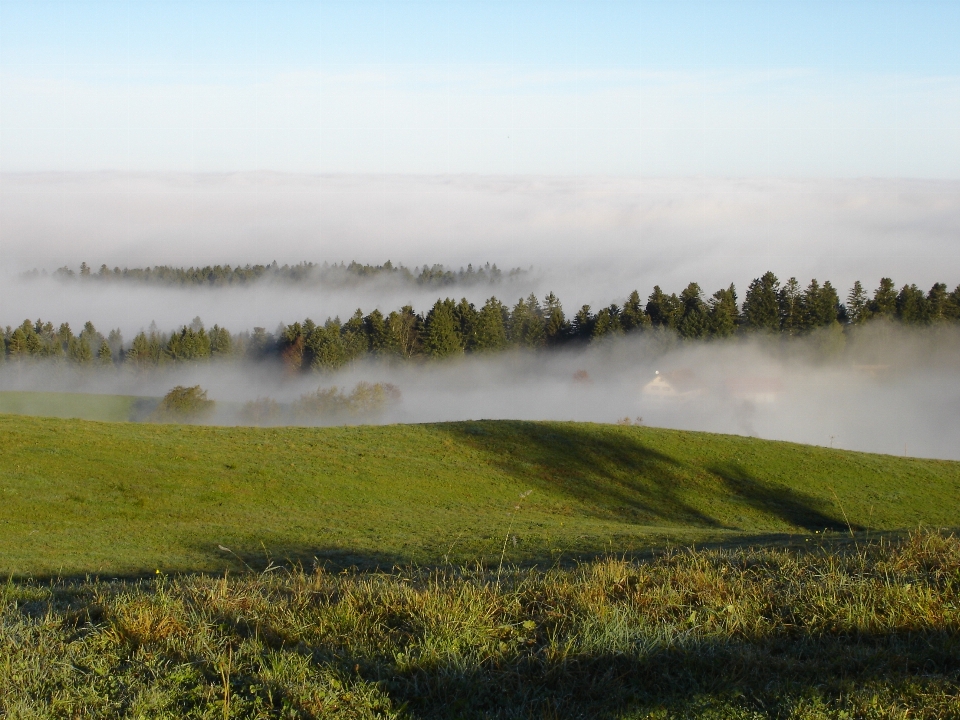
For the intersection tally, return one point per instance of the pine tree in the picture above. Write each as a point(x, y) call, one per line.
point(583, 323)
point(633, 317)
point(693, 321)
point(104, 356)
point(139, 352)
point(722, 312)
point(857, 302)
point(556, 327)
point(791, 307)
point(607, 322)
point(761, 306)
point(221, 343)
point(465, 315)
point(911, 305)
point(884, 303)
point(936, 303)
point(376, 327)
point(80, 351)
point(664, 310)
point(491, 331)
point(441, 338)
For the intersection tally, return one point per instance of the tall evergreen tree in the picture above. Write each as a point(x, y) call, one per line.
point(693, 320)
point(491, 333)
point(884, 302)
point(607, 322)
point(911, 305)
point(583, 323)
point(664, 310)
point(791, 307)
point(936, 303)
point(761, 306)
point(139, 352)
point(104, 356)
point(722, 312)
point(556, 327)
point(633, 317)
point(857, 304)
point(376, 328)
point(465, 315)
point(526, 327)
point(221, 343)
point(441, 338)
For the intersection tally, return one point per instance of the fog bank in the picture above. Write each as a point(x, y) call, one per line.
point(887, 389)
point(590, 239)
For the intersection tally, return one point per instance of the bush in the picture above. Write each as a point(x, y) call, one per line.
point(366, 400)
point(262, 411)
point(184, 404)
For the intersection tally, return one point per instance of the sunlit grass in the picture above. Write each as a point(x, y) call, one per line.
point(869, 632)
point(126, 498)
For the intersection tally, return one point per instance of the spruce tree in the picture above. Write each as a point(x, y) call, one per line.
point(376, 327)
point(911, 305)
point(491, 331)
point(664, 310)
point(104, 356)
point(884, 302)
point(791, 307)
point(465, 315)
point(857, 302)
point(556, 327)
point(583, 323)
point(633, 317)
point(693, 320)
point(722, 312)
point(936, 303)
point(441, 338)
point(761, 306)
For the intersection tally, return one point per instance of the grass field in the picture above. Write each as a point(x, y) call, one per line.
point(85, 406)
point(870, 633)
point(81, 497)
point(790, 617)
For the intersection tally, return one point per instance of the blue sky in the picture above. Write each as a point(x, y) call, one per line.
point(618, 88)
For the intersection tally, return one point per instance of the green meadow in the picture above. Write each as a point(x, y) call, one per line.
point(492, 569)
point(84, 406)
point(82, 497)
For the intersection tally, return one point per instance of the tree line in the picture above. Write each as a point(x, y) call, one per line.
point(305, 272)
point(453, 328)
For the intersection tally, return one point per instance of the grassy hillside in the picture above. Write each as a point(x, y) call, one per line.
point(81, 497)
point(85, 406)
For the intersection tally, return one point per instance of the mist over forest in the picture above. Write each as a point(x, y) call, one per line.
point(673, 272)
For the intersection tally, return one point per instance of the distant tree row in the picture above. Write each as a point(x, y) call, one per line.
point(304, 272)
point(452, 328)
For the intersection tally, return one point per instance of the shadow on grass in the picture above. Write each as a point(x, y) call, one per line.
point(615, 475)
point(791, 506)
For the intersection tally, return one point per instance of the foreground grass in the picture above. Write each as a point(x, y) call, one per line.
point(122, 498)
point(870, 633)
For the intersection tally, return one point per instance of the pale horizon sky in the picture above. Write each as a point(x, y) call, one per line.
point(709, 88)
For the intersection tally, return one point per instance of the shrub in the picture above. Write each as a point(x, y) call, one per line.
point(262, 411)
point(366, 400)
point(184, 404)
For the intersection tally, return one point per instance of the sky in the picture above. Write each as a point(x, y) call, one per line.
point(713, 88)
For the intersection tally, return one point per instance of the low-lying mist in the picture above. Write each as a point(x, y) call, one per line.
point(589, 239)
point(883, 388)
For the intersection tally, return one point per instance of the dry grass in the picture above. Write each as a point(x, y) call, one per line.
point(869, 632)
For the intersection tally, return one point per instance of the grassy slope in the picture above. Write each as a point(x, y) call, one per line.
point(80, 496)
point(87, 406)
